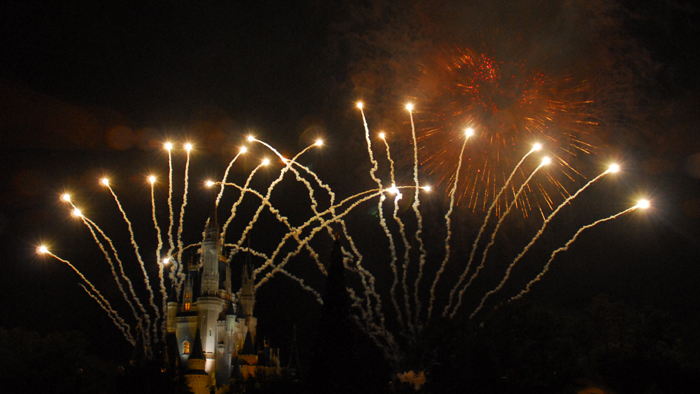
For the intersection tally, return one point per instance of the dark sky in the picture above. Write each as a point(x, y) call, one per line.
point(94, 87)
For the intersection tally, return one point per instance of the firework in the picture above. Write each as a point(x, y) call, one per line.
point(366, 288)
point(512, 105)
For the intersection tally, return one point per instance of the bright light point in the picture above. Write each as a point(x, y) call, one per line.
point(427, 188)
point(188, 147)
point(644, 204)
point(76, 212)
point(251, 138)
point(209, 183)
point(168, 146)
point(166, 261)
point(104, 181)
point(42, 249)
point(409, 107)
point(546, 161)
point(613, 168)
point(319, 142)
point(265, 162)
point(382, 135)
point(393, 190)
point(65, 197)
point(360, 104)
point(243, 149)
point(151, 179)
point(537, 146)
point(469, 132)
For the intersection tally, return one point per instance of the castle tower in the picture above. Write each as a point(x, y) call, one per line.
point(197, 378)
point(211, 253)
point(209, 304)
point(247, 295)
point(172, 310)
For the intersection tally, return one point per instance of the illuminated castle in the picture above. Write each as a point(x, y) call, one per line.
point(212, 327)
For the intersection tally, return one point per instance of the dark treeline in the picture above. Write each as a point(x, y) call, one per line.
point(521, 348)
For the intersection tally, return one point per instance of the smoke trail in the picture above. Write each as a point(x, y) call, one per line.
point(289, 165)
point(171, 218)
point(143, 267)
point(161, 266)
point(382, 222)
point(481, 230)
point(93, 225)
point(283, 220)
point(448, 224)
point(266, 199)
point(532, 241)
point(120, 325)
point(89, 225)
point(416, 206)
point(402, 229)
point(223, 180)
point(493, 238)
point(182, 208)
point(323, 224)
point(101, 300)
point(566, 247)
point(244, 189)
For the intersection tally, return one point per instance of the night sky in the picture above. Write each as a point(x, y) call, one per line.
point(94, 88)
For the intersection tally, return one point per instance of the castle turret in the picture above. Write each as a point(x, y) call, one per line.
point(172, 310)
point(211, 252)
point(247, 294)
point(197, 378)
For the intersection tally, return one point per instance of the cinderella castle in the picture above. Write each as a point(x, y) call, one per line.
point(211, 330)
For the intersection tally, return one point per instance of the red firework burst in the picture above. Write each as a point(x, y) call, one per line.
point(510, 106)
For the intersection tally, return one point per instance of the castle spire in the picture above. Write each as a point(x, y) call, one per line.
point(247, 294)
point(211, 233)
point(211, 253)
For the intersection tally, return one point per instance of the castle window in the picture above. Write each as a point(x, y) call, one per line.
point(187, 295)
point(186, 347)
point(187, 306)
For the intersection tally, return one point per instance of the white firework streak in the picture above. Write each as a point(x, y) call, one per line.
point(492, 241)
point(529, 245)
point(566, 247)
point(481, 231)
point(448, 228)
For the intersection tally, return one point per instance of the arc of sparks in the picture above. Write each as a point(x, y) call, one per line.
point(97, 296)
point(92, 227)
point(151, 299)
point(171, 216)
point(416, 210)
point(382, 221)
point(228, 168)
point(612, 169)
point(448, 224)
point(544, 162)
point(188, 149)
point(463, 276)
point(643, 204)
point(161, 265)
